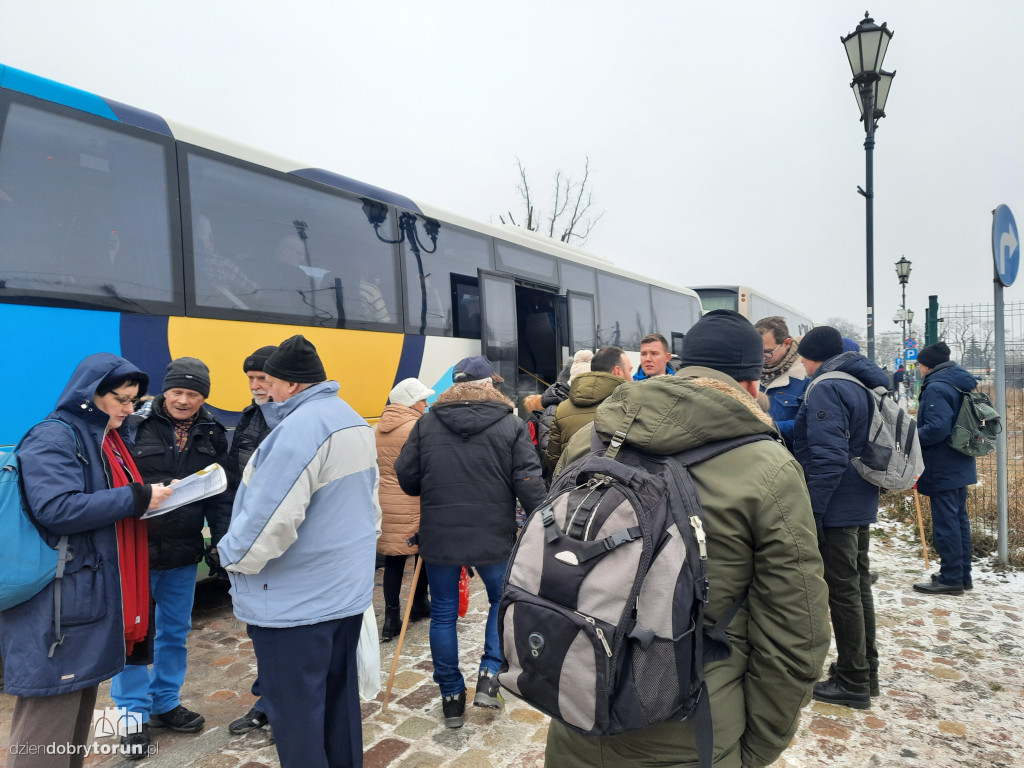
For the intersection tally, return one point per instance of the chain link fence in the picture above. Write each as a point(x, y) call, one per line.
point(969, 331)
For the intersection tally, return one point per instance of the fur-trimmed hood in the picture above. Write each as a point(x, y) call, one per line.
point(469, 408)
point(696, 406)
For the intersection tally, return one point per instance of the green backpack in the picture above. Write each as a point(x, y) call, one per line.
point(977, 425)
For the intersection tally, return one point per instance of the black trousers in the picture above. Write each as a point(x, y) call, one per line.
point(851, 604)
point(394, 572)
point(311, 692)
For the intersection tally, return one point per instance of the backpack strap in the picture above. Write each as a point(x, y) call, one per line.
point(619, 436)
point(709, 450)
point(62, 543)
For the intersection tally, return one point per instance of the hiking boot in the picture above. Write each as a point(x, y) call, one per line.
point(488, 692)
point(252, 720)
point(135, 746)
point(873, 688)
point(420, 608)
point(831, 692)
point(178, 719)
point(968, 585)
point(454, 708)
point(392, 624)
point(936, 587)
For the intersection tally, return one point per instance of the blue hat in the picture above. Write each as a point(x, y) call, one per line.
point(474, 369)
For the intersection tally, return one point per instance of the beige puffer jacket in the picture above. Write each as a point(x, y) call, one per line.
point(401, 512)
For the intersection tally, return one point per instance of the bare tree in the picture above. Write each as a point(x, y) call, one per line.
point(847, 328)
point(572, 218)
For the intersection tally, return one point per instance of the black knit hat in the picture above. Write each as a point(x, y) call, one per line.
point(296, 360)
point(257, 359)
point(933, 354)
point(725, 341)
point(188, 373)
point(821, 343)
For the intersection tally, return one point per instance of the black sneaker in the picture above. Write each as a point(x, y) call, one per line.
point(178, 719)
point(874, 690)
point(968, 585)
point(488, 692)
point(935, 587)
point(252, 720)
point(831, 692)
point(135, 746)
point(454, 708)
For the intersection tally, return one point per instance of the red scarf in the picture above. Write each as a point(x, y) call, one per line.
point(132, 547)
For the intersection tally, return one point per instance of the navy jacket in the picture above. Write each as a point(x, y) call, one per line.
point(70, 497)
point(944, 468)
point(468, 459)
point(831, 428)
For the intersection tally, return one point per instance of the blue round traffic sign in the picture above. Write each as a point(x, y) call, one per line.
point(1005, 245)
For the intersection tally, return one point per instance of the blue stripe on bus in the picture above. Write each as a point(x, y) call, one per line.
point(144, 342)
point(411, 359)
point(72, 334)
point(140, 118)
point(338, 181)
point(42, 88)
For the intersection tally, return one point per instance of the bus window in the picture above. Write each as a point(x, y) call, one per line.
point(577, 278)
point(523, 262)
point(466, 302)
point(674, 313)
point(623, 311)
point(459, 252)
point(85, 212)
point(270, 244)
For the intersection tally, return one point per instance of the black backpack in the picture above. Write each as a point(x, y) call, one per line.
point(601, 618)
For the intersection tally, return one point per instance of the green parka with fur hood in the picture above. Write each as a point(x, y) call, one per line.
point(760, 535)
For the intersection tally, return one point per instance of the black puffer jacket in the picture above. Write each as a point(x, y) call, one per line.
point(176, 539)
point(468, 459)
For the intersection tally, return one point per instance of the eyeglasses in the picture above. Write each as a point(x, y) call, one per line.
point(122, 399)
point(770, 352)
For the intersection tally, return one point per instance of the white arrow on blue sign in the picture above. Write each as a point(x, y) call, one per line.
point(1005, 245)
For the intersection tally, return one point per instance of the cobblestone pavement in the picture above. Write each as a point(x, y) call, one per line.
point(951, 685)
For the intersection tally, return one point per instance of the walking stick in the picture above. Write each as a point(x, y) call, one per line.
point(920, 525)
point(401, 635)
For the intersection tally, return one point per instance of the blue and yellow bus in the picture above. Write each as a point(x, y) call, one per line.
point(121, 231)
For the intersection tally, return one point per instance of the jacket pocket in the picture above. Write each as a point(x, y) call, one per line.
point(82, 598)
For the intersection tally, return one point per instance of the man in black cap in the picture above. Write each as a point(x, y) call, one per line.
point(947, 472)
point(249, 433)
point(831, 428)
point(300, 554)
point(760, 541)
point(177, 437)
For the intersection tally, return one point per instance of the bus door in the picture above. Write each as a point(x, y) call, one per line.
point(499, 337)
point(582, 322)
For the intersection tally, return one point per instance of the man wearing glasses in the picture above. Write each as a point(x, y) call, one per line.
point(783, 379)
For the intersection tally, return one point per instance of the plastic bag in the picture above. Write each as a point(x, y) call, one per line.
point(368, 656)
point(463, 592)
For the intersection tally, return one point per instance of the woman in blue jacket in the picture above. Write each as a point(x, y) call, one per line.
point(74, 490)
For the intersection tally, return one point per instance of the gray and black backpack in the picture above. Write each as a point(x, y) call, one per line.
point(601, 618)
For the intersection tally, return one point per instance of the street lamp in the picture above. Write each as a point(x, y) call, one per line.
point(865, 48)
point(903, 273)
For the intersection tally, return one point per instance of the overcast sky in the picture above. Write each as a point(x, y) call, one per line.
point(723, 137)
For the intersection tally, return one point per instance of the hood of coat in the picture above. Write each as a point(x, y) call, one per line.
point(396, 415)
point(76, 399)
point(554, 394)
point(468, 408)
point(952, 374)
point(696, 406)
point(855, 364)
point(592, 387)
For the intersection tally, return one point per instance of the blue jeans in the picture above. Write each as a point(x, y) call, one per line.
point(951, 533)
point(157, 689)
point(444, 612)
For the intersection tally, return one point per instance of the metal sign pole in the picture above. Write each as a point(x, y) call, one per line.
point(1001, 477)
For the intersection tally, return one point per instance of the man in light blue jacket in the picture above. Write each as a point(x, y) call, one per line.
point(300, 553)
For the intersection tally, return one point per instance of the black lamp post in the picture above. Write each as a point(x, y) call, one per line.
point(865, 48)
point(903, 273)
point(377, 212)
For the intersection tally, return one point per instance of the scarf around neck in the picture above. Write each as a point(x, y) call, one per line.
point(772, 372)
point(132, 546)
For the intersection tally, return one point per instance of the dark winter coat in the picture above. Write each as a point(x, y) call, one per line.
point(831, 428)
point(939, 405)
point(784, 397)
point(176, 539)
point(70, 498)
point(249, 433)
point(468, 459)
point(588, 390)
